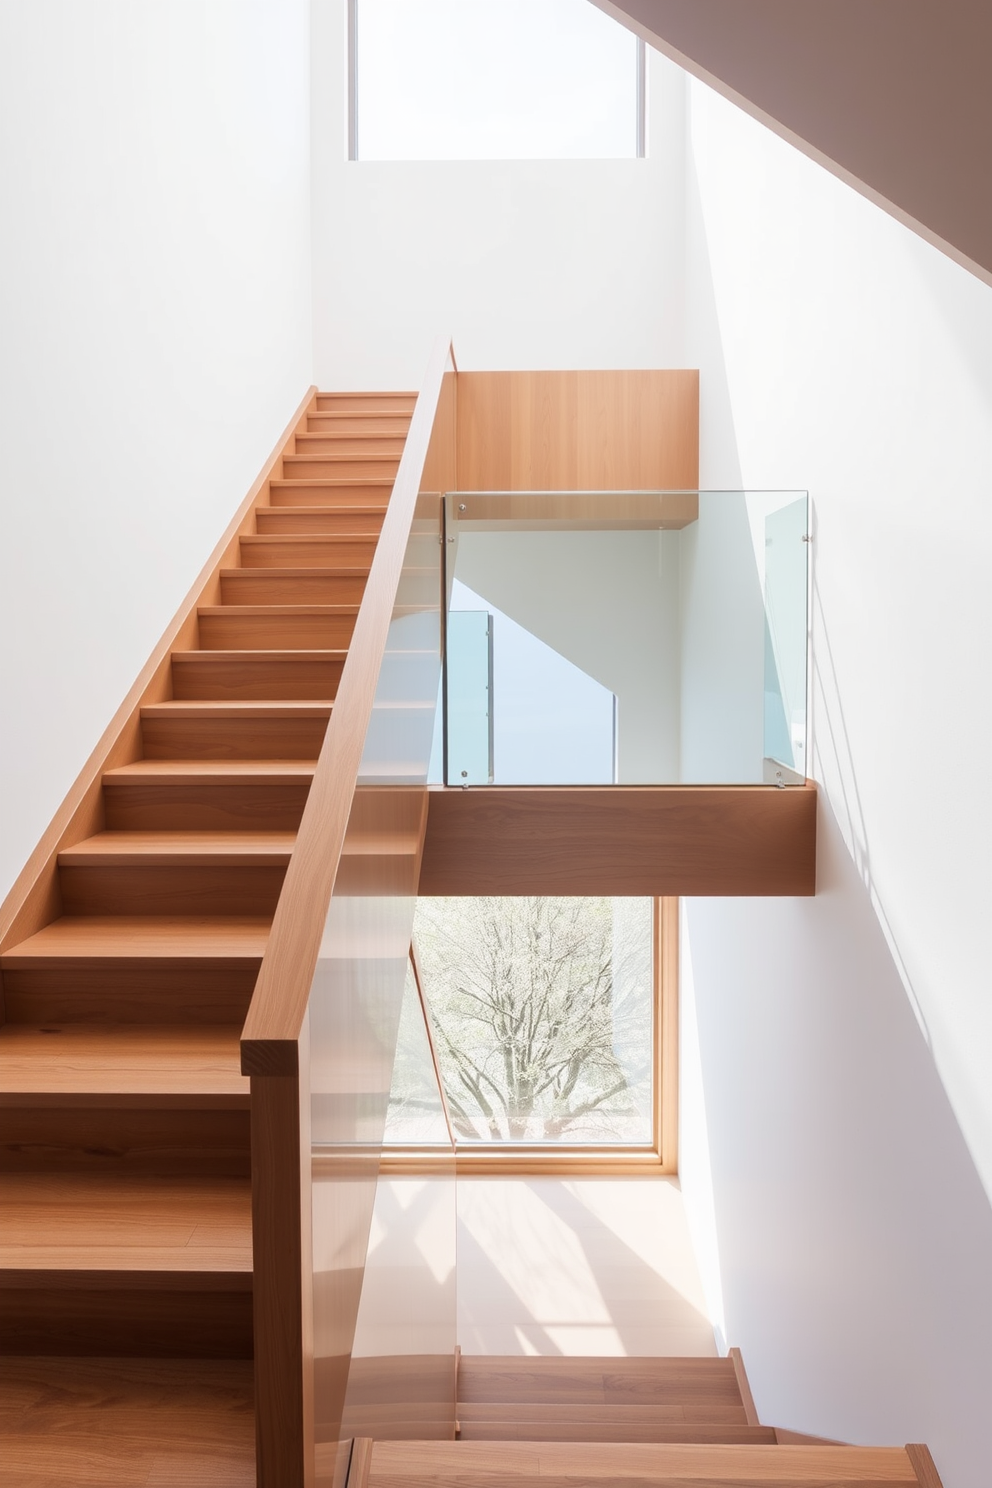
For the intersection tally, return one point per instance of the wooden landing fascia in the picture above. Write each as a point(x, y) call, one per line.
point(665, 840)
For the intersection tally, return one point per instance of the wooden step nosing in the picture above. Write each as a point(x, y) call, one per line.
point(201, 657)
point(178, 708)
point(206, 857)
point(289, 573)
point(330, 483)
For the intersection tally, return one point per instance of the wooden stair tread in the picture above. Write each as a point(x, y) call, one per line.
point(199, 1065)
point(268, 611)
point(376, 456)
point(127, 1422)
point(143, 937)
point(180, 848)
point(281, 574)
point(83, 1222)
point(568, 1413)
point(647, 1430)
point(295, 539)
point(212, 770)
point(211, 658)
point(499, 1379)
point(365, 482)
point(398, 436)
point(615, 1461)
point(353, 509)
point(224, 709)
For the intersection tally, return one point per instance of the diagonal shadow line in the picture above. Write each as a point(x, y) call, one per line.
point(826, 702)
point(570, 1208)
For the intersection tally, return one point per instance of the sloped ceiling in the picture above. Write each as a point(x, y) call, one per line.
point(894, 96)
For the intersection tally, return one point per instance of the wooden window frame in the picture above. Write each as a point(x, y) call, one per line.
point(658, 1160)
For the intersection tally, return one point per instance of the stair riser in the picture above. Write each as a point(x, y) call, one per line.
point(140, 806)
point(344, 423)
point(285, 521)
point(374, 494)
point(307, 552)
point(233, 738)
point(343, 467)
point(230, 680)
point(367, 402)
point(276, 632)
point(169, 1143)
point(126, 1322)
point(271, 586)
point(361, 445)
point(148, 992)
point(162, 889)
point(648, 1431)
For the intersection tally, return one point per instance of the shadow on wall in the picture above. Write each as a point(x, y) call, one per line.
point(853, 1230)
point(834, 768)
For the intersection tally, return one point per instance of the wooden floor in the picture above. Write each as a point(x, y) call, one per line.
point(126, 1423)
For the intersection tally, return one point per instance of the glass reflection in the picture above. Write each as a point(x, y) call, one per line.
point(637, 638)
point(401, 1383)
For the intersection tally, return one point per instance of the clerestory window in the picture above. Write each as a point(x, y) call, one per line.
point(552, 1021)
point(493, 80)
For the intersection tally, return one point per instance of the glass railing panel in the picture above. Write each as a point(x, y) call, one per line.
point(401, 1383)
point(469, 672)
point(358, 988)
point(636, 638)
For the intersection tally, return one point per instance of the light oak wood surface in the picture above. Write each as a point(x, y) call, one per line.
point(682, 1384)
point(680, 1463)
point(146, 1063)
point(661, 840)
point(323, 519)
point(133, 1423)
point(578, 431)
point(371, 492)
point(740, 1373)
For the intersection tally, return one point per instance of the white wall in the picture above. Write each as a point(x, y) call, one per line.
point(841, 353)
point(608, 601)
point(155, 293)
point(527, 264)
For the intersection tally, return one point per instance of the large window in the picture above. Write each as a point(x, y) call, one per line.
point(493, 80)
point(552, 1023)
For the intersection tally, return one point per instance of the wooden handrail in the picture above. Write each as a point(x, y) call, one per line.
point(269, 1040)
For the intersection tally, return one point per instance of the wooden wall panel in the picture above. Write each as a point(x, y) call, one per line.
point(607, 430)
point(659, 840)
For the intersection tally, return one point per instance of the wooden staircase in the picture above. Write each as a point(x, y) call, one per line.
point(621, 1423)
point(125, 1187)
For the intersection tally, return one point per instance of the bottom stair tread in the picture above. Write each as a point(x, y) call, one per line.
point(603, 1463)
point(157, 1423)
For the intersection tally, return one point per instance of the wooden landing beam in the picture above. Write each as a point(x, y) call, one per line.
point(658, 840)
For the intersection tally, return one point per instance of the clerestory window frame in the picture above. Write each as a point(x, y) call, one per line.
point(640, 94)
